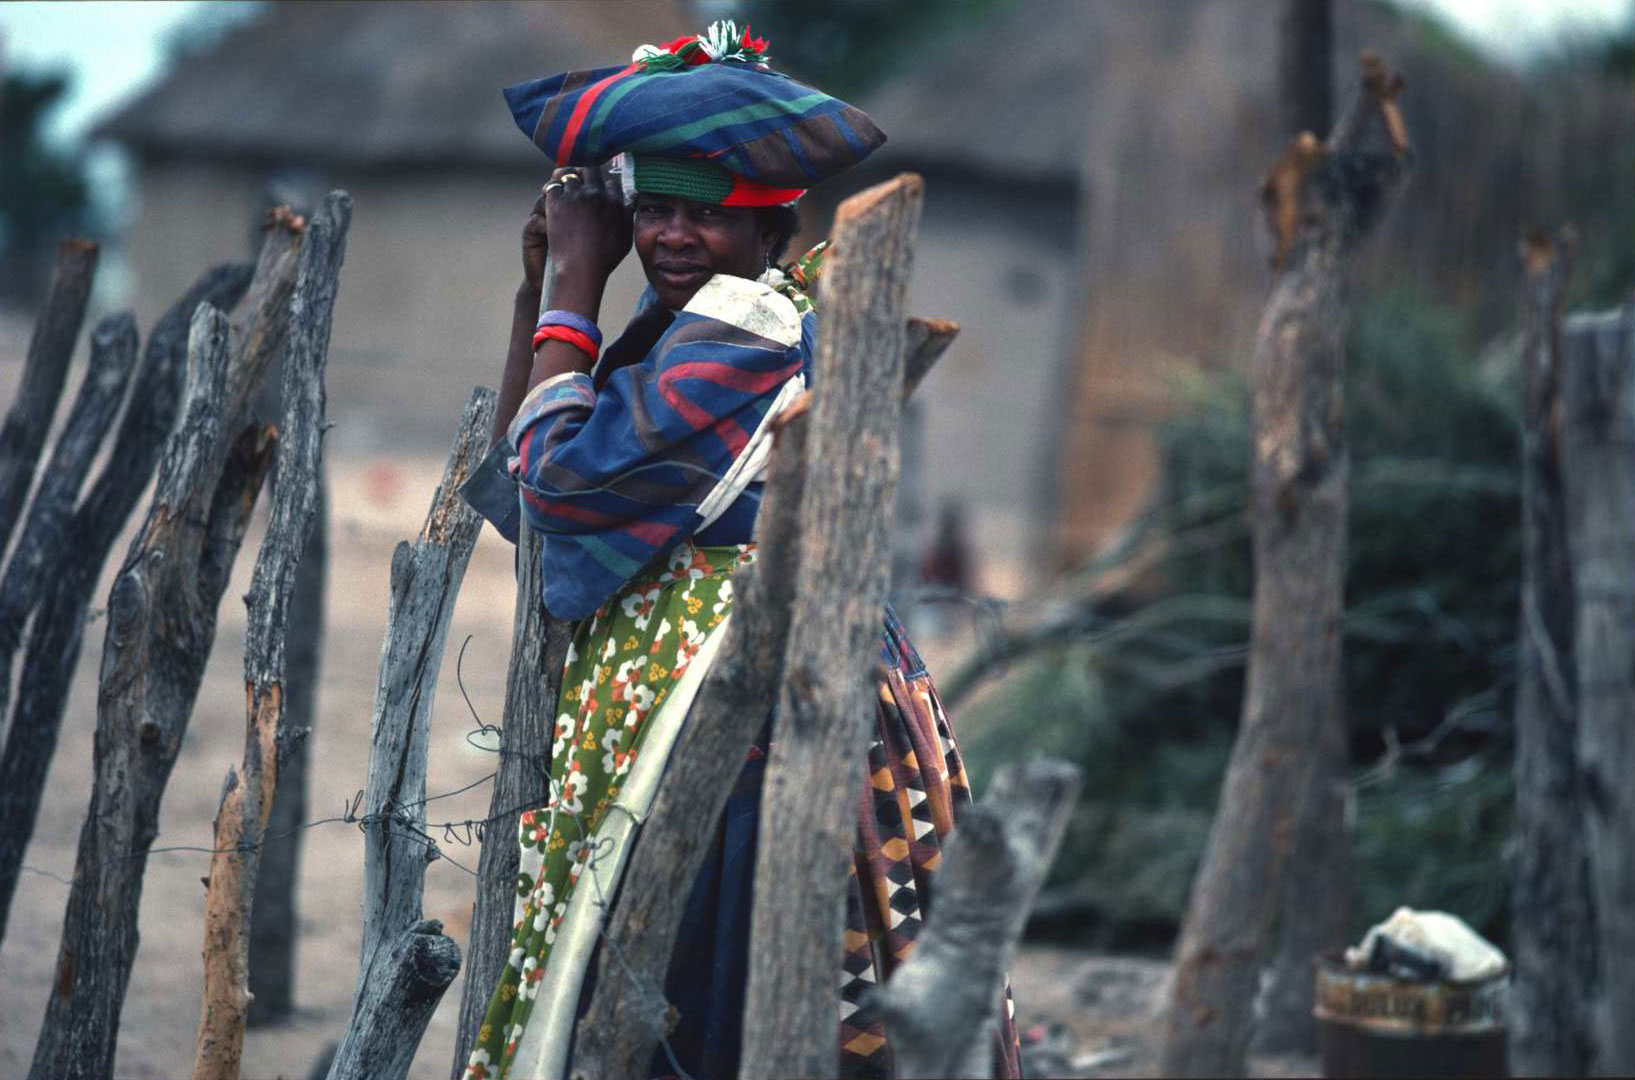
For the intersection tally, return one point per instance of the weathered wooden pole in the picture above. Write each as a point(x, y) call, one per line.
point(942, 1005)
point(826, 701)
point(247, 795)
point(1321, 201)
point(274, 922)
point(1553, 938)
point(1599, 430)
point(44, 372)
point(1319, 886)
point(406, 962)
point(42, 548)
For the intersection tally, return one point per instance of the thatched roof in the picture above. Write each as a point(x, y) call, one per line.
point(1004, 96)
point(405, 84)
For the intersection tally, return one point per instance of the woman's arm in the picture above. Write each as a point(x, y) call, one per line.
point(591, 227)
point(614, 476)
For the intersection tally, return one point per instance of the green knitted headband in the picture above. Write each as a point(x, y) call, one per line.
point(701, 181)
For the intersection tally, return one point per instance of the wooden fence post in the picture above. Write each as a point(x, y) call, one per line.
point(247, 795)
point(44, 372)
point(826, 700)
point(274, 924)
point(1553, 939)
point(41, 549)
point(941, 1006)
point(406, 962)
point(1599, 394)
point(1321, 201)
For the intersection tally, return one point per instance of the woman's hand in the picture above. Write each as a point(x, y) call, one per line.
point(535, 245)
point(588, 225)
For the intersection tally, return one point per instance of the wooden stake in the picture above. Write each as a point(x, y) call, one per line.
point(247, 796)
point(1553, 939)
point(42, 550)
point(1299, 476)
point(44, 373)
point(406, 962)
point(1599, 470)
point(161, 623)
point(826, 701)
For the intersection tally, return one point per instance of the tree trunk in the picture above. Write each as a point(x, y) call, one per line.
point(1317, 895)
point(41, 551)
point(1599, 396)
point(247, 795)
point(826, 699)
point(1553, 940)
point(941, 1005)
point(539, 648)
point(44, 372)
point(426, 578)
point(1322, 201)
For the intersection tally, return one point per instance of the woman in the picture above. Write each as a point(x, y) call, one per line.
point(643, 479)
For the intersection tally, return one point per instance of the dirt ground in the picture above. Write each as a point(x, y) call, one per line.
point(1090, 1015)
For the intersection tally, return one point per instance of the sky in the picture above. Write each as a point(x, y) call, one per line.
point(116, 48)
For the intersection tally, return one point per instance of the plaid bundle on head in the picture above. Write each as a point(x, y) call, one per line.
point(702, 118)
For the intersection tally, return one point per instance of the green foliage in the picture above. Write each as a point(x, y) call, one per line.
point(1434, 839)
point(1431, 590)
point(1433, 550)
point(43, 192)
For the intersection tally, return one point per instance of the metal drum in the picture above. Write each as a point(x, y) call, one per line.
point(1378, 1025)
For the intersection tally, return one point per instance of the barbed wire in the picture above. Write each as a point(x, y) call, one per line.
point(396, 819)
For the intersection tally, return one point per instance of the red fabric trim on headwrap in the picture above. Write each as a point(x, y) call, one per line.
point(746, 192)
point(564, 149)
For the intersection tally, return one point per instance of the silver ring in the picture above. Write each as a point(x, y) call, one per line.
point(554, 185)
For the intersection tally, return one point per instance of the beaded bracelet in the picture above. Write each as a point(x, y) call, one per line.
point(576, 338)
point(573, 320)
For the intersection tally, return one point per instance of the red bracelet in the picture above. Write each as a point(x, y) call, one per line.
point(577, 338)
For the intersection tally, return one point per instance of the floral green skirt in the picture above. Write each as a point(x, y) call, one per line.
point(626, 675)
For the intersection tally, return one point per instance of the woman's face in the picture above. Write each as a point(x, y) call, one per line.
point(682, 244)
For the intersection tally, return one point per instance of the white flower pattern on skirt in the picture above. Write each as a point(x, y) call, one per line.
point(622, 663)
